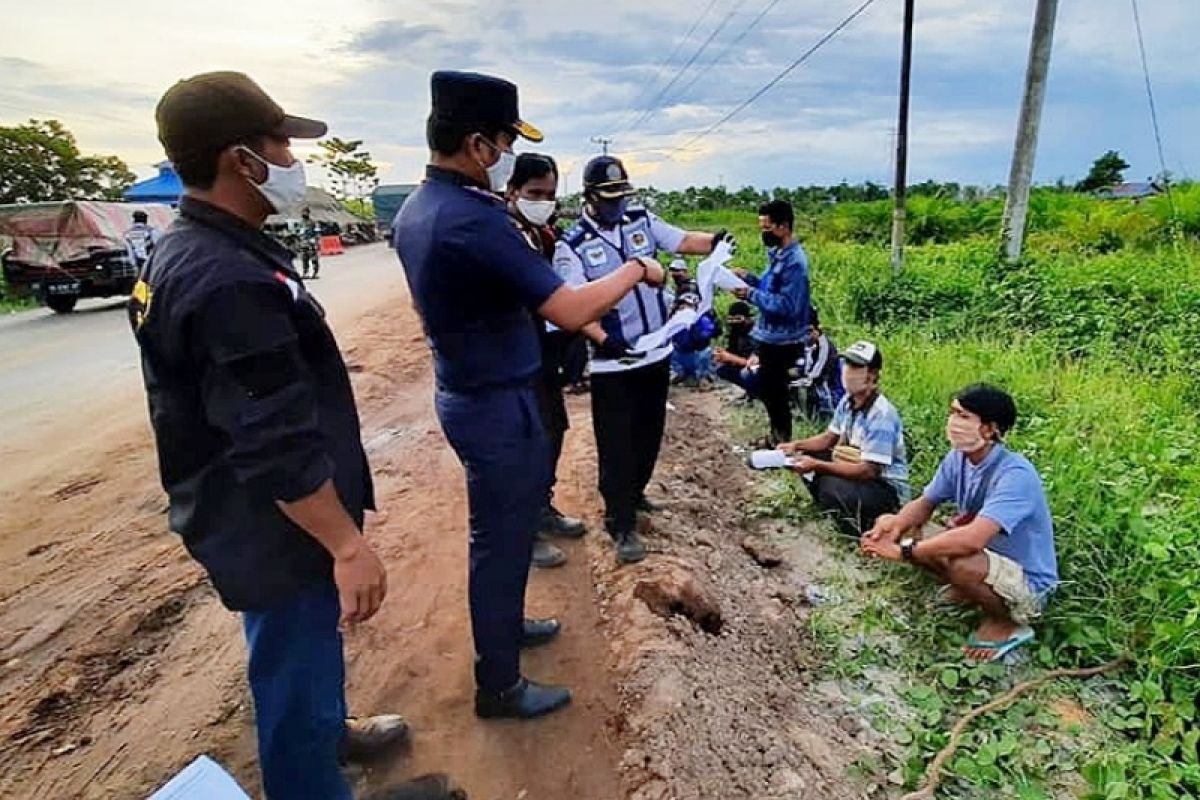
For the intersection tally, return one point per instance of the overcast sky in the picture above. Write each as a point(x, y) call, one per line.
point(591, 69)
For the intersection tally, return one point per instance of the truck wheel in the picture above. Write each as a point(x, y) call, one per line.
point(61, 303)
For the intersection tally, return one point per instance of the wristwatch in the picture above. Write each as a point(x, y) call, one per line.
point(906, 548)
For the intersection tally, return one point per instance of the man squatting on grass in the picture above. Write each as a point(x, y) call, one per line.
point(997, 553)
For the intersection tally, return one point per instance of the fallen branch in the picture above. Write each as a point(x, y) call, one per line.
point(933, 774)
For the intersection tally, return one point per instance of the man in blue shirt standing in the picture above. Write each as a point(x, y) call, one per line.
point(475, 282)
point(782, 296)
point(998, 552)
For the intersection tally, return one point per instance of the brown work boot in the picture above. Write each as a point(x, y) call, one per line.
point(427, 787)
point(368, 738)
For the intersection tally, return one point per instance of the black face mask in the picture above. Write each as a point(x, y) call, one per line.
point(771, 239)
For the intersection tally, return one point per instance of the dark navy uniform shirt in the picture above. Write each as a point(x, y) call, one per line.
point(250, 403)
point(475, 281)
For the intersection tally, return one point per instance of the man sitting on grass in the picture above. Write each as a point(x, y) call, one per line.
point(998, 552)
point(858, 469)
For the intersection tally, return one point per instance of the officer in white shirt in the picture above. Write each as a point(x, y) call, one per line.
point(141, 238)
point(629, 388)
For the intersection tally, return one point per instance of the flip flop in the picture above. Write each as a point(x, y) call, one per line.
point(1023, 635)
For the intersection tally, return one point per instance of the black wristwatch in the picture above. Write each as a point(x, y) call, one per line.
point(906, 548)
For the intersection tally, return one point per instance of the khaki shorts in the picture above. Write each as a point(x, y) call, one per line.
point(1007, 579)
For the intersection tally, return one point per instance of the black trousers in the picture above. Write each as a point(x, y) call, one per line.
point(854, 505)
point(554, 418)
point(575, 360)
point(774, 362)
point(629, 412)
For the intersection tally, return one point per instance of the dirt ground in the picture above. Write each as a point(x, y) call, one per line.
point(691, 673)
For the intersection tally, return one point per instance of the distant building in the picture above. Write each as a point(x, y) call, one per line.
point(165, 187)
point(1130, 191)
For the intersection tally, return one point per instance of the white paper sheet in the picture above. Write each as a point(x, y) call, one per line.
point(709, 270)
point(770, 459)
point(727, 280)
point(681, 320)
point(203, 779)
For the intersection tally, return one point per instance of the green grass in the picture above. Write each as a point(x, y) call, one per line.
point(1097, 345)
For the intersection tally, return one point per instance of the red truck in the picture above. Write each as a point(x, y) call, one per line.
point(62, 251)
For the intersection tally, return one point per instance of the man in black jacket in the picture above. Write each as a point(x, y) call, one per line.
point(257, 431)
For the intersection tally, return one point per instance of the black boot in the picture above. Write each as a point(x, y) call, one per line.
point(648, 506)
point(535, 632)
point(630, 549)
point(525, 700)
point(546, 555)
point(555, 523)
point(428, 787)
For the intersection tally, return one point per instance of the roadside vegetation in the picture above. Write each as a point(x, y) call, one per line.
point(1096, 334)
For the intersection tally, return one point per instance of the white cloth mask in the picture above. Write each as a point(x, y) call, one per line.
point(536, 211)
point(285, 187)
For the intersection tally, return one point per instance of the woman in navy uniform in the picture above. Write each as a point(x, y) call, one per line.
point(629, 389)
point(476, 283)
point(532, 201)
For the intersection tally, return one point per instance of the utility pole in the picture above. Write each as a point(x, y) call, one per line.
point(1016, 206)
point(901, 184)
point(603, 141)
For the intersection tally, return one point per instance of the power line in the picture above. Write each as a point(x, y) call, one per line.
point(649, 87)
point(1162, 160)
point(655, 103)
point(783, 74)
point(724, 52)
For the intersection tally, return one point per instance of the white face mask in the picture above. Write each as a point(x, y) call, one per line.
point(284, 187)
point(536, 211)
point(964, 435)
point(500, 172)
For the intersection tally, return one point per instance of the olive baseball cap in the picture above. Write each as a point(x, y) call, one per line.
point(208, 112)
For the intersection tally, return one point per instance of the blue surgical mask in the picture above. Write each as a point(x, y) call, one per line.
point(609, 212)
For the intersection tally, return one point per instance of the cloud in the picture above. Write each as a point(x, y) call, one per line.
point(594, 69)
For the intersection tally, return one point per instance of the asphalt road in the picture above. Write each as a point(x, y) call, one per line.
point(68, 373)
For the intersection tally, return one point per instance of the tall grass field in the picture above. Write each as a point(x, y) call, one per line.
point(1096, 333)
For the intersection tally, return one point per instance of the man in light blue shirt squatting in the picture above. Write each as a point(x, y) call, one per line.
point(858, 469)
point(998, 552)
point(629, 388)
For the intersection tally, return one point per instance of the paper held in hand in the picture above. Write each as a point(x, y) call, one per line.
point(770, 459)
point(681, 320)
point(712, 274)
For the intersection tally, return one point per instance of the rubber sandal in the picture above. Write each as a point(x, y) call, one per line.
point(1023, 636)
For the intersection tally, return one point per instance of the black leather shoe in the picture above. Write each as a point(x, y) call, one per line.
point(526, 700)
point(630, 549)
point(539, 631)
point(545, 555)
point(428, 787)
point(556, 523)
point(648, 506)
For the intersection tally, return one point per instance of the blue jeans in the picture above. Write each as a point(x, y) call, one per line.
point(297, 677)
point(498, 436)
point(696, 364)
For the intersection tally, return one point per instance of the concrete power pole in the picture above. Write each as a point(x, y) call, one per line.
point(1016, 207)
point(603, 141)
point(900, 192)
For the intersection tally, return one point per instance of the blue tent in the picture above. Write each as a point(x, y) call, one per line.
point(163, 188)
